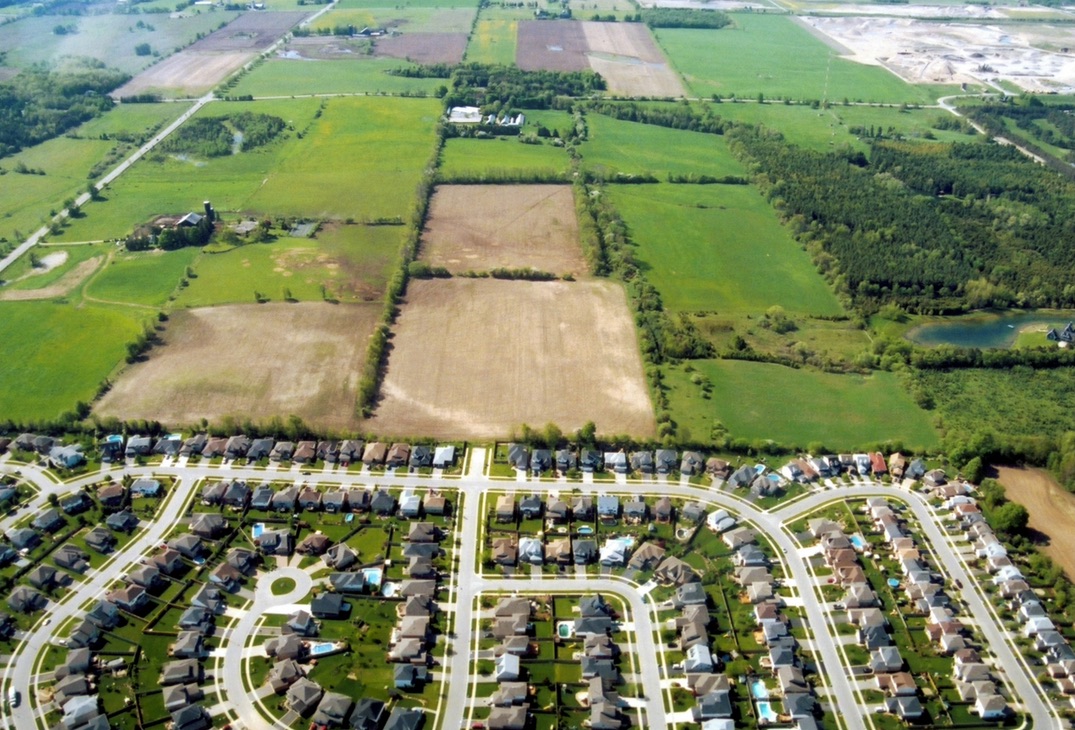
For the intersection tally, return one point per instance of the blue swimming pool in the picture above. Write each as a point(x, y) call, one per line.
point(766, 712)
point(775, 478)
point(857, 541)
point(758, 690)
point(585, 530)
point(323, 647)
point(257, 529)
point(372, 577)
point(893, 583)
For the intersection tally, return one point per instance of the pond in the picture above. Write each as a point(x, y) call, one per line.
point(988, 329)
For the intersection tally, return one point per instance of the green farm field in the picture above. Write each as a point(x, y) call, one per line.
point(494, 40)
point(281, 76)
point(108, 38)
point(822, 129)
point(131, 119)
point(633, 148)
point(145, 278)
point(58, 354)
point(505, 155)
point(719, 248)
point(361, 158)
point(22, 276)
point(353, 263)
point(775, 56)
point(760, 401)
point(408, 20)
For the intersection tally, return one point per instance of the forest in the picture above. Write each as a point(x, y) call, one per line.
point(220, 136)
point(684, 18)
point(481, 85)
point(39, 104)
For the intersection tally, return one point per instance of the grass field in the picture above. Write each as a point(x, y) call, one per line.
point(408, 20)
point(500, 155)
point(107, 38)
point(719, 248)
point(361, 75)
point(493, 41)
point(124, 119)
point(146, 278)
point(22, 275)
point(628, 147)
point(353, 263)
point(759, 401)
point(823, 129)
point(56, 354)
point(361, 158)
point(775, 56)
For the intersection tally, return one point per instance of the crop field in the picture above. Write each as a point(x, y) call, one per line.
point(351, 262)
point(720, 248)
point(212, 59)
point(108, 38)
point(760, 401)
point(632, 148)
point(476, 357)
point(424, 47)
point(775, 56)
point(485, 227)
point(361, 158)
point(146, 278)
point(56, 355)
point(467, 157)
point(494, 40)
point(213, 364)
point(624, 53)
point(315, 76)
point(420, 20)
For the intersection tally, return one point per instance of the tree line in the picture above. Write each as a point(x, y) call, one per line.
point(216, 136)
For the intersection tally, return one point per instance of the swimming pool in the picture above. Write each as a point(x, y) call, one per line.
point(564, 630)
point(766, 712)
point(388, 590)
point(585, 530)
point(758, 690)
point(372, 576)
point(858, 542)
point(321, 648)
point(893, 583)
point(775, 478)
point(257, 529)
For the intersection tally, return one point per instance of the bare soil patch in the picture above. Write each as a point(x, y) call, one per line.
point(212, 59)
point(251, 361)
point(483, 227)
point(1051, 508)
point(471, 358)
point(624, 53)
point(551, 46)
point(423, 47)
point(59, 288)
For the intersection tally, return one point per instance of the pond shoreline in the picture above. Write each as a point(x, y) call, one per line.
point(987, 328)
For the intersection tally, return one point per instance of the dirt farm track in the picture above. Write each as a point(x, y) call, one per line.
point(472, 358)
point(251, 361)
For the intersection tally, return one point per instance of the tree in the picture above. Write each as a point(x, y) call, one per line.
point(974, 470)
point(587, 434)
point(1010, 518)
point(553, 434)
point(143, 49)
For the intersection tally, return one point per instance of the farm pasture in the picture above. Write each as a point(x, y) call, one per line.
point(308, 73)
point(485, 227)
point(59, 286)
point(406, 21)
point(54, 262)
point(108, 38)
point(719, 248)
point(762, 401)
point(494, 40)
point(351, 262)
point(776, 56)
point(503, 156)
point(250, 361)
point(56, 354)
point(144, 278)
point(616, 146)
point(475, 357)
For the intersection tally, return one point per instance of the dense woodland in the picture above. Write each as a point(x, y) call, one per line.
point(39, 104)
point(684, 18)
point(220, 136)
point(511, 88)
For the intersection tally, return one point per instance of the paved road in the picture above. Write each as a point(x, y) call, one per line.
point(468, 583)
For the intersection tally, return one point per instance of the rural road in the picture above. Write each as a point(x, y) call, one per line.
point(468, 584)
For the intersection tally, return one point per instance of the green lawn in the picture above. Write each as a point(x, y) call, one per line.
point(56, 354)
point(106, 37)
point(774, 55)
point(416, 19)
point(145, 278)
point(493, 40)
point(719, 248)
point(633, 148)
point(360, 75)
point(353, 263)
point(500, 156)
point(759, 401)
